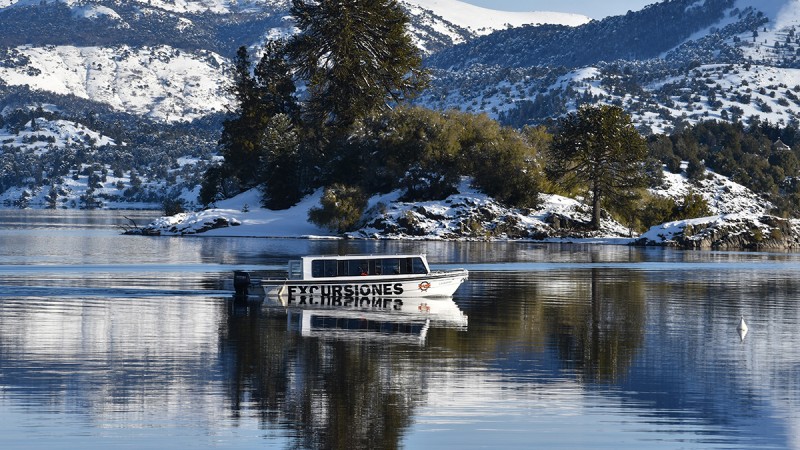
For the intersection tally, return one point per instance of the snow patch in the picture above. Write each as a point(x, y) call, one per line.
point(41, 134)
point(95, 11)
point(444, 219)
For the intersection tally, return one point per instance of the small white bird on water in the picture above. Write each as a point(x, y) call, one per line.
point(742, 328)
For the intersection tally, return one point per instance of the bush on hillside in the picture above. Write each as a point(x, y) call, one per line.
point(340, 208)
point(425, 153)
point(173, 206)
point(414, 149)
point(655, 209)
point(503, 167)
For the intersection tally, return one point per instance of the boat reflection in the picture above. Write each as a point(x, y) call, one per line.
point(395, 319)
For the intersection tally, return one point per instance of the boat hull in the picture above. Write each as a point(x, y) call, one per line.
point(434, 284)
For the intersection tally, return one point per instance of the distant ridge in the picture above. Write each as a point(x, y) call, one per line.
point(482, 21)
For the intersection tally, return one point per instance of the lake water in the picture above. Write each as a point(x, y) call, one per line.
point(136, 342)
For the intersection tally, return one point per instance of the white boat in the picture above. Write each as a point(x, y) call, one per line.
point(360, 276)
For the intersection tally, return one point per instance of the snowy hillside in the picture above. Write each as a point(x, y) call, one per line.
point(467, 214)
point(739, 218)
point(709, 92)
point(162, 83)
point(42, 135)
point(47, 167)
point(740, 61)
point(723, 195)
point(727, 232)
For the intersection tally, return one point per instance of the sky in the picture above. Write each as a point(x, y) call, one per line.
point(595, 9)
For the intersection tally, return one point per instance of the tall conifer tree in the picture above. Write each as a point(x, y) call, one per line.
point(356, 57)
point(599, 148)
point(239, 141)
point(265, 107)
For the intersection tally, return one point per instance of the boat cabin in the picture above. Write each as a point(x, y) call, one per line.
point(311, 267)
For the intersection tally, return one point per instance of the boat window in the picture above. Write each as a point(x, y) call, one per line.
point(417, 266)
point(324, 268)
point(352, 269)
point(317, 268)
point(331, 268)
point(390, 266)
point(357, 267)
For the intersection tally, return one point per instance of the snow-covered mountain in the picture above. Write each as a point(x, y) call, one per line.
point(161, 83)
point(679, 61)
point(673, 61)
point(167, 60)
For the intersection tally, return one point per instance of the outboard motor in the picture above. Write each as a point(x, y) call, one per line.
point(241, 282)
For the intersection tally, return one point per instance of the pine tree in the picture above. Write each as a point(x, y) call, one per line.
point(238, 143)
point(281, 176)
point(248, 138)
point(273, 80)
point(284, 179)
point(599, 148)
point(356, 58)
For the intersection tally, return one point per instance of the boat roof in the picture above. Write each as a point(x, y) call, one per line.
point(370, 256)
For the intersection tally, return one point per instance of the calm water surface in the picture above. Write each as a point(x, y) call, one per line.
point(135, 342)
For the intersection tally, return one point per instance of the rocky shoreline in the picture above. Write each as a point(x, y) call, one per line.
point(730, 232)
point(482, 219)
point(738, 222)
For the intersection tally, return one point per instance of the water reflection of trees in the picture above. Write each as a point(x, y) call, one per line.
point(614, 333)
point(593, 320)
point(329, 393)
